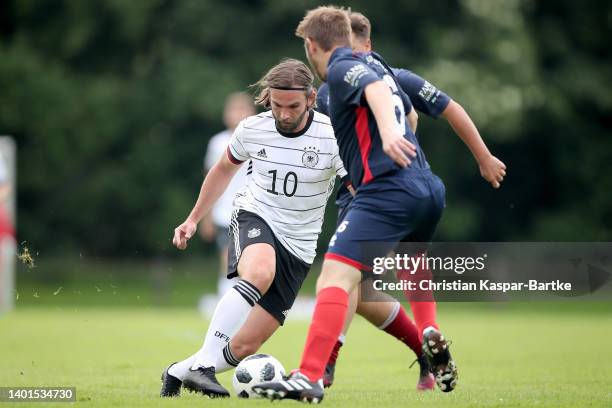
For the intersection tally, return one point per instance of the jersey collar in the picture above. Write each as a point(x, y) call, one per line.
point(339, 53)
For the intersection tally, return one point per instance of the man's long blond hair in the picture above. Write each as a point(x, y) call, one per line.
point(288, 74)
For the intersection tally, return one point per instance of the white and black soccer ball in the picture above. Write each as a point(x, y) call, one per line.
point(253, 370)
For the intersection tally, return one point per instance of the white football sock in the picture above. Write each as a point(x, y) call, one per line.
point(226, 360)
point(180, 369)
point(230, 314)
point(342, 338)
point(391, 317)
point(427, 329)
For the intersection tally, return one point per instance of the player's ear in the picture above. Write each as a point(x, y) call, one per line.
point(312, 99)
point(310, 45)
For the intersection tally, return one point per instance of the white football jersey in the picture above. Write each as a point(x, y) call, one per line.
point(289, 177)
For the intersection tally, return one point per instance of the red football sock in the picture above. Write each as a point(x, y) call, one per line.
point(326, 326)
point(424, 315)
point(334, 353)
point(403, 329)
point(422, 302)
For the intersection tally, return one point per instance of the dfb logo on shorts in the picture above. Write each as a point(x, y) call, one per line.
point(254, 233)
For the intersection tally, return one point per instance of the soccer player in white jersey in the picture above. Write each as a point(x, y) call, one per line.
point(292, 160)
point(238, 106)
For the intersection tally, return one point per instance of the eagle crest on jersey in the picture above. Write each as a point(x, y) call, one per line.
point(291, 178)
point(310, 158)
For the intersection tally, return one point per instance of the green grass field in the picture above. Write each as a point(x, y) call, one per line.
point(509, 355)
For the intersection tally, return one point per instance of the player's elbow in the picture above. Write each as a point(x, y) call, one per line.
point(453, 110)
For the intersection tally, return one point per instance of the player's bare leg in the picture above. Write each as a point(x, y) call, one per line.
point(258, 328)
point(336, 281)
point(256, 269)
point(258, 266)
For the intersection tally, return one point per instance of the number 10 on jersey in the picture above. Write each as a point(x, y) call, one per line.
point(290, 175)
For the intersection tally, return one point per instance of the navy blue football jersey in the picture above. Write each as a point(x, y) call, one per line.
point(323, 99)
point(425, 97)
point(354, 124)
point(353, 121)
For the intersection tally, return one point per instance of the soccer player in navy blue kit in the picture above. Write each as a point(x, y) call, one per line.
point(398, 197)
point(386, 313)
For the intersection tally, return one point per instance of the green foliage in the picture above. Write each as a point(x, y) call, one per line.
point(112, 103)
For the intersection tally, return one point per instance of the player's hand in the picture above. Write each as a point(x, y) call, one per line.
point(182, 233)
point(493, 170)
point(398, 148)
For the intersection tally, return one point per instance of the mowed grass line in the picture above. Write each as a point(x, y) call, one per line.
point(507, 357)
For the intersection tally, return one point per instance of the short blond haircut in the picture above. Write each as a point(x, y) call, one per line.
point(328, 26)
point(362, 29)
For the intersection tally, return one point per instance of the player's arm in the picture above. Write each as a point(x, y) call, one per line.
point(431, 101)
point(491, 168)
point(379, 98)
point(206, 227)
point(351, 189)
point(214, 184)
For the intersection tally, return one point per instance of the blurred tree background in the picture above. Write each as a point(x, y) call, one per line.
point(112, 104)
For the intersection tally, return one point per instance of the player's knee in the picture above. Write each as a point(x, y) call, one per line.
point(362, 308)
point(244, 348)
point(372, 311)
point(260, 273)
point(321, 282)
point(326, 279)
point(338, 274)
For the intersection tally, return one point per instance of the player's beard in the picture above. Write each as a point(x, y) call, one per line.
point(290, 126)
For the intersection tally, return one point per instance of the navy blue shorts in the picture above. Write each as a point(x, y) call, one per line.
point(403, 207)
